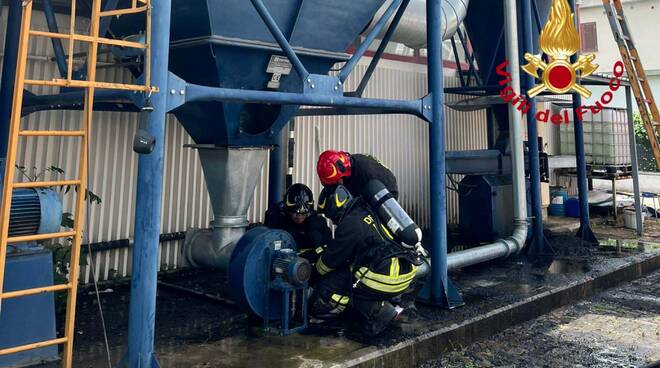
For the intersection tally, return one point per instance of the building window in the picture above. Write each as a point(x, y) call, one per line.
point(588, 37)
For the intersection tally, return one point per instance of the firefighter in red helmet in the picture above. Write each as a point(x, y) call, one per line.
point(366, 177)
point(354, 171)
point(362, 269)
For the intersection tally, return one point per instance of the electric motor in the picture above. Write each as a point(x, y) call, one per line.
point(35, 211)
point(291, 268)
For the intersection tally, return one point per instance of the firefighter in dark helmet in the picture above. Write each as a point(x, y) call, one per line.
point(362, 268)
point(354, 171)
point(296, 215)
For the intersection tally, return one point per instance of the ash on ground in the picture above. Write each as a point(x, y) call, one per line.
point(617, 328)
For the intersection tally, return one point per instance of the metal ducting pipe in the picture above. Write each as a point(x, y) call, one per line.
point(412, 27)
point(514, 244)
point(231, 175)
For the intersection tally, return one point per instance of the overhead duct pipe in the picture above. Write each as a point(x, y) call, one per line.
point(516, 242)
point(412, 27)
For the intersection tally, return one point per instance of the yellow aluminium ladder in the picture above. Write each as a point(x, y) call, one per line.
point(648, 109)
point(90, 85)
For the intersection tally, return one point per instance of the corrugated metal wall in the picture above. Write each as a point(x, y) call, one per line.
point(398, 140)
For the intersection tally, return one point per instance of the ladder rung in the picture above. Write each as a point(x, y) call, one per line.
point(85, 38)
point(52, 133)
point(45, 184)
point(27, 238)
point(619, 17)
point(626, 37)
point(118, 12)
point(85, 84)
point(35, 345)
point(35, 291)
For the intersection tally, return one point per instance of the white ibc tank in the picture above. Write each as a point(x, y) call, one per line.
point(606, 140)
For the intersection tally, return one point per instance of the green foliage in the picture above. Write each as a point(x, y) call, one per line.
point(644, 152)
point(90, 196)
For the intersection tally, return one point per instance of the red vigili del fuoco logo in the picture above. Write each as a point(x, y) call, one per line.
point(559, 40)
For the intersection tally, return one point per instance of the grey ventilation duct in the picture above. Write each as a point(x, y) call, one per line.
point(412, 27)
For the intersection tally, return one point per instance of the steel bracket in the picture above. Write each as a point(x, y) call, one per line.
point(317, 84)
point(427, 108)
point(176, 91)
point(450, 298)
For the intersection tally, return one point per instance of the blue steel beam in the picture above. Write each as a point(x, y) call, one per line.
point(472, 71)
point(74, 100)
point(381, 49)
point(439, 290)
point(493, 59)
point(494, 89)
point(142, 315)
point(538, 246)
point(537, 16)
point(60, 57)
point(585, 231)
point(364, 46)
point(196, 92)
point(280, 38)
point(12, 33)
point(457, 60)
point(104, 26)
point(331, 111)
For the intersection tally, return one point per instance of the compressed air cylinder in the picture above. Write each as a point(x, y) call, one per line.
point(402, 227)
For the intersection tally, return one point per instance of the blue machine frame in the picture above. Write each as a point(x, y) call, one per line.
point(319, 90)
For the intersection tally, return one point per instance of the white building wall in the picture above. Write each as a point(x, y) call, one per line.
point(400, 141)
point(642, 16)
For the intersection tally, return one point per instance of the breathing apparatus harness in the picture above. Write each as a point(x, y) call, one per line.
point(396, 250)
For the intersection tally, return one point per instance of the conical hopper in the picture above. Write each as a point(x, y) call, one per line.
point(231, 175)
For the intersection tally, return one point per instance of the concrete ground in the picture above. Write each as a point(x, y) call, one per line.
point(616, 328)
point(199, 332)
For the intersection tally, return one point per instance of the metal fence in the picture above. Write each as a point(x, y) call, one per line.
point(398, 140)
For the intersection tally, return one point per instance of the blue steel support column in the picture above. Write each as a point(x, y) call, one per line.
point(634, 159)
point(538, 246)
point(439, 290)
point(9, 72)
point(275, 170)
point(585, 231)
point(142, 317)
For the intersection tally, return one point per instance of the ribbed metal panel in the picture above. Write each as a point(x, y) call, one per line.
point(400, 141)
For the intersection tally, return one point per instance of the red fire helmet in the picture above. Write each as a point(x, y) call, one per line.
point(332, 166)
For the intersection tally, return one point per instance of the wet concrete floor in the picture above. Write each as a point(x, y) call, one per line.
point(617, 328)
point(197, 332)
